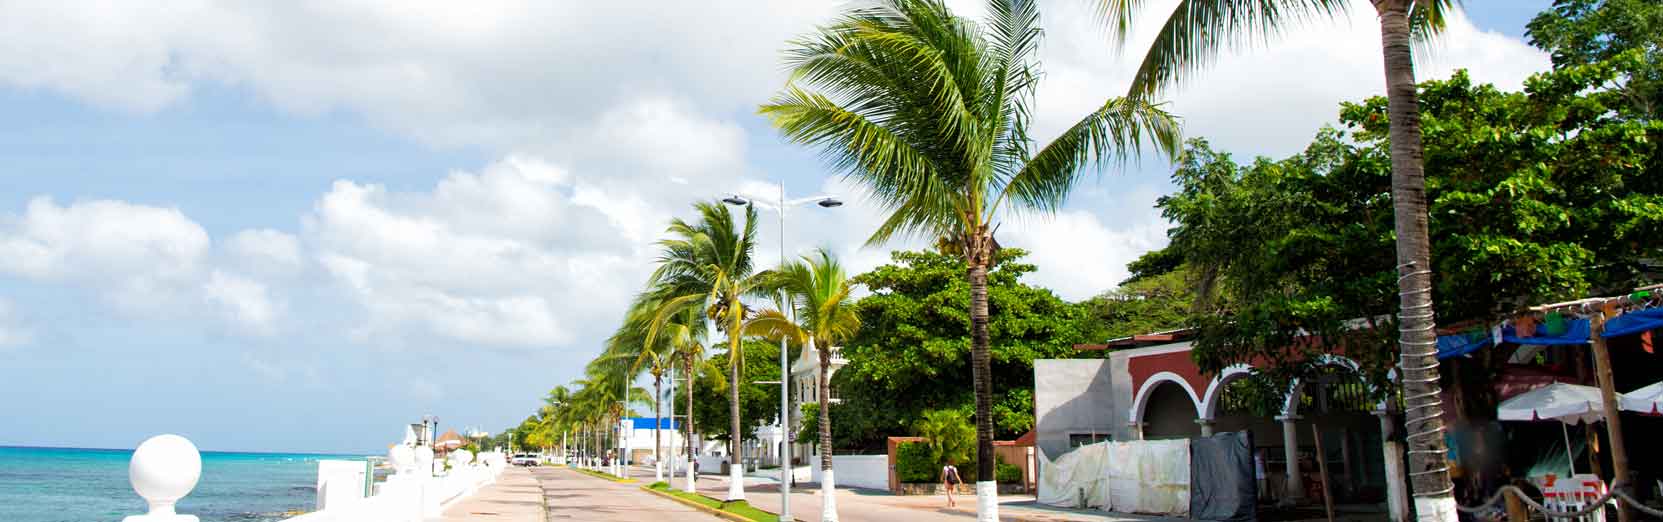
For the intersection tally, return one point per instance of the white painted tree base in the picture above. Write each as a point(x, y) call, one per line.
point(1436, 509)
point(736, 483)
point(987, 501)
point(657, 471)
point(828, 497)
point(688, 487)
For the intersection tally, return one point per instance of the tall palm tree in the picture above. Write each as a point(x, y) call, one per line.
point(1192, 36)
point(685, 331)
point(634, 344)
point(708, 265)
point(931, 112)
point(819, 291)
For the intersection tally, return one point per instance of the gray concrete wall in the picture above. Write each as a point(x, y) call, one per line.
point(1071, 396)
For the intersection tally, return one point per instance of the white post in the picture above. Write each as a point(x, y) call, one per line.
point(163, 470)
point(1290, 447)
point(1397, 495)
point(1206, 427)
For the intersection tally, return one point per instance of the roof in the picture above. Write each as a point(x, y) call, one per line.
point(1136, 341)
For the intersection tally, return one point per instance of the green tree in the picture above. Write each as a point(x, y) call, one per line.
point(914, 340)
point(821, 296)
point(708, 265)
point(931, 112)
point(1589, 32)
point(1141, 305)
point(1192, 36)
point(951, 437)
point(1539, 196)
point(758, 404)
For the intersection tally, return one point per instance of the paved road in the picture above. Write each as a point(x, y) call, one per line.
point(860, 505)
point(574, 496)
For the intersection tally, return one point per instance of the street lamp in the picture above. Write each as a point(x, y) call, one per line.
point(786, 469)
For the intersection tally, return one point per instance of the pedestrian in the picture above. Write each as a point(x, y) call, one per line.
point(950, 481)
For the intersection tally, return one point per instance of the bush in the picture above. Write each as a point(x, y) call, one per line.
point(915, 463)
point(1007, 474)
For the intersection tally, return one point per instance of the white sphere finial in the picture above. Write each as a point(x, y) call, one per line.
point(164, 469)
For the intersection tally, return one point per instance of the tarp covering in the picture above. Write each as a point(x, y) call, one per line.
point(1634, 322)
point(1576, 332)
point(1222, 486)
point(1461, 344)
point(1130, 477)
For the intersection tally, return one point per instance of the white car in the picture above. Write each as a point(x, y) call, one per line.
point(524, 459)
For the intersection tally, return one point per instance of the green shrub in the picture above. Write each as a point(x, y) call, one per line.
point(1007, 474)
point(915, 463)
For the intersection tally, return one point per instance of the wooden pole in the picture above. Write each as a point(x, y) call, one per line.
point(1322, 471)
point(1608, 395)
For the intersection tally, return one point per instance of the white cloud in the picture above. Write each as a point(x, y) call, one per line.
point(243, 302)
point(135, 254)
point(504, 257)
point(266, 251)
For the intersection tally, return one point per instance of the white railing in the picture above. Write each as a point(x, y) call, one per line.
point(165, 468)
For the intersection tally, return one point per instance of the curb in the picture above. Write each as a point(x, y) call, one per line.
point(701, 507)
point(695, 505)
point(605, 476)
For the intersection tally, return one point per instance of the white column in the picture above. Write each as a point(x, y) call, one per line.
point(1397, 494)
point(1206, 427)
point(1290, 445)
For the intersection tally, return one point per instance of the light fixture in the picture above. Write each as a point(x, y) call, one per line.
point(830, 203)
point(735, 200)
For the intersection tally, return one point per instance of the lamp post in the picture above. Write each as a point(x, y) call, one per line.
point(786, 471)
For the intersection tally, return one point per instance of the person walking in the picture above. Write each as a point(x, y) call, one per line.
point(950, 481)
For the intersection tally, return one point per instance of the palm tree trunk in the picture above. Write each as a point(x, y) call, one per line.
point(736, 473)
point(1428, 474)
point(828, 484)
point(692, 457)
point(657, 425)
point(979, 249)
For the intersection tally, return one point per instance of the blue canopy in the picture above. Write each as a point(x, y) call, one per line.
point(646, 423)
point(1638, 321)
point(1456, 345)
point(1576, 332)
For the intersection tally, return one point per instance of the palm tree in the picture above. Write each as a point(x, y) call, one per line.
point(707, 265)
point(931, 112)
point(685, 329)
point(634, 344)
point(819, 291)
point(1193, 35)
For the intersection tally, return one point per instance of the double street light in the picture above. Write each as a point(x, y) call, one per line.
point(780, 205)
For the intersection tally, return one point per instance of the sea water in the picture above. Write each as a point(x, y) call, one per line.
point(90, 485)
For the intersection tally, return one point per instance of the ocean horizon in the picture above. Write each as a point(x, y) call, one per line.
point(59, 484)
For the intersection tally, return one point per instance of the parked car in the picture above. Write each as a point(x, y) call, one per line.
point(524, 459)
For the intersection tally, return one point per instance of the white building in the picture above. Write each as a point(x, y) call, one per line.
point(638, 438)
point(805, 389)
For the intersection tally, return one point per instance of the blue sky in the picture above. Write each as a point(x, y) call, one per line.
point(298, 227)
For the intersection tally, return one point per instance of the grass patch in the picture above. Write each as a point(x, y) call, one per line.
point(604, 475)
point(738, 507)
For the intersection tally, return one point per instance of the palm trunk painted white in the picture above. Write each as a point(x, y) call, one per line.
point(987, 501)
point(736, 481)
point(1435, 509)
point(828, 497)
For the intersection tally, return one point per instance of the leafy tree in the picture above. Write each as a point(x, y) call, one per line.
point(759, 404)
point(931, 112)
point(1143, 304)
point(913, 345)
point(708, 266)
point(1589, 32)
point(951, 437)
point(1192, 36)
point(821, 297)
point(1537, 196)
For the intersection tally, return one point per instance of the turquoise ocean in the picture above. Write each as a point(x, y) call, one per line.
point(90, 485)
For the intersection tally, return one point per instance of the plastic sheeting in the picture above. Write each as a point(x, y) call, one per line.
point(1130, 477)
point(1222, 486)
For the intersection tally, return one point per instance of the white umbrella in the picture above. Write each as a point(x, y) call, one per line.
point(1567, 403)
point(1648, 400)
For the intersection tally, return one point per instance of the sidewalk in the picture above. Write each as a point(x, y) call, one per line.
point(861, 505)
point(574, 496)
point(515, 497)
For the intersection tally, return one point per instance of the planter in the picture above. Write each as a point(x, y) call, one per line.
point(935, 488)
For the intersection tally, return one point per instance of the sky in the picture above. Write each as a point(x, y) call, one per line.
point(298, 226)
